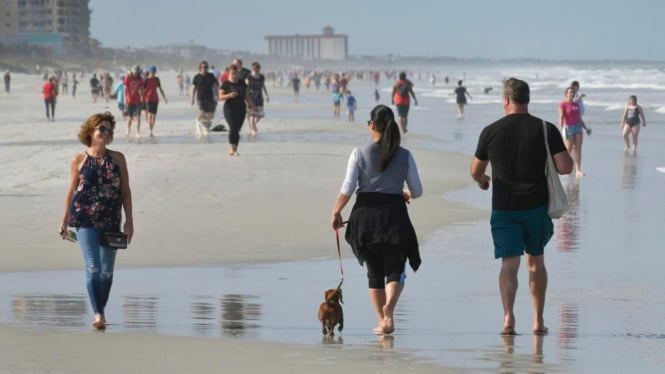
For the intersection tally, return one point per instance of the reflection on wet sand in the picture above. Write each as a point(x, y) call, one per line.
point(237, 314)
point(628, 172)
point(568, 326)
point(203, 314)
point(568, 228)
point(239, 317)
point(510, 362)
point(140, 312)
point(51, 309)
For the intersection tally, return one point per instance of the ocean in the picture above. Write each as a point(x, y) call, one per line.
point(604, 306)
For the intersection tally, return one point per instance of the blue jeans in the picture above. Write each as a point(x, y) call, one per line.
point(99, 262)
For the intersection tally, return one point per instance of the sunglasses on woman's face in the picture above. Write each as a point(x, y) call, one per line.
point(104, 129)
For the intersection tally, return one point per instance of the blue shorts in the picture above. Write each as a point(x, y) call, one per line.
point(517, 231)
point(572, 130)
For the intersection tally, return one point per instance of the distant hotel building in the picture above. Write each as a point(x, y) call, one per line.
point(328, 46)
point(62, 25)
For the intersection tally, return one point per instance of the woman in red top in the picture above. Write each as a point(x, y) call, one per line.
point(49, 92)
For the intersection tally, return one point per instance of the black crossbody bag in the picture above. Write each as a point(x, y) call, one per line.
point(115, 240)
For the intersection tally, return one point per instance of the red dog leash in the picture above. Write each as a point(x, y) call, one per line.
point(339, 253)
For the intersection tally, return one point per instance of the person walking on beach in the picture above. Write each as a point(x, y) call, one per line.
point(94, 87)
point(134, 99)
point(630, 123)
point(75, 83)
point(64, 83)
point(119, 91)
point(8, 81)
point(571, 125)
point(351, 106)
point(204, 90)
point(256, 84)
point(515, 147)
point(50, 94)
point(150, 87)
point(236, 99)
point(379, 230)
point(98, 192)
point(460, 98)
point(401, 98)
point(243, 72)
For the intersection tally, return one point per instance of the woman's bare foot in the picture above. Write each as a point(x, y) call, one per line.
point(99, 323)
point(378, 330)
point(579, 173)
point(388, 323)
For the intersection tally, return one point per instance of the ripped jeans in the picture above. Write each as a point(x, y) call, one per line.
point(99, 262)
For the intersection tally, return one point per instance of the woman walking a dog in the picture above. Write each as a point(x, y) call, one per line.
point(379, 229)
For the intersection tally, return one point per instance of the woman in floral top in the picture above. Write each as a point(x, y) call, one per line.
point(98, 191)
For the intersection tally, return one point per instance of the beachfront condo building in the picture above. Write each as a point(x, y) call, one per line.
point(60, 25)
point(327, 46)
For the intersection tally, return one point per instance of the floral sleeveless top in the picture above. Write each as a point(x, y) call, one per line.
point(97, 200)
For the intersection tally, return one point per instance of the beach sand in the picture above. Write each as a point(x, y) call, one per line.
point(232, 254)
point(193, 206)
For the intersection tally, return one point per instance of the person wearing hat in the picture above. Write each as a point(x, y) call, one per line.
point(134, 99)
point(150, 87)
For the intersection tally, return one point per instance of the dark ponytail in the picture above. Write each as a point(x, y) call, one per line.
point(384, 120)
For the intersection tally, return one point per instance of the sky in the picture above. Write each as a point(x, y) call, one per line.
point(499, 29)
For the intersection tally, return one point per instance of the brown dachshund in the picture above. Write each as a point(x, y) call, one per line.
point(330, 312)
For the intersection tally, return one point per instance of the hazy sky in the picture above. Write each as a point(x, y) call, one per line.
point(547, 29)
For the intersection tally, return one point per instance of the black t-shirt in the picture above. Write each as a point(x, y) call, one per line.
point(515, 148)
point(243, 73)
point(205, 85)
point(239, 87)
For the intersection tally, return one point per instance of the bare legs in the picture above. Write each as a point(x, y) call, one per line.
point(403, 122)
point(384, 302)
point(576, 144)
point(460, 110)
point(138, 125)
point(150, 118)
point(508, 288)
point(627, 131)
point(538, 288)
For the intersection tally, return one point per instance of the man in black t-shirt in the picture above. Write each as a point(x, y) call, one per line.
point(204, 90)
point(515, 146)
point(242, 71)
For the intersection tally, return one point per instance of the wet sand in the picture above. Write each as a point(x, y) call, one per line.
point(232, 256)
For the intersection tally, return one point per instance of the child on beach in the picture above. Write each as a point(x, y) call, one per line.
point(350, 105)
point(337, 101)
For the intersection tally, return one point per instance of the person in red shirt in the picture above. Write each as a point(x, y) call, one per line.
point(150, 88)
point(402, 89)
point(49, 92)
point(134, 99)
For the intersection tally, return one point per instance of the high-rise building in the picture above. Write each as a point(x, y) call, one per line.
point(327, 46)
point(63, 25)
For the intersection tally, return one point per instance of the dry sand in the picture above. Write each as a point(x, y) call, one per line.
point(193, 205)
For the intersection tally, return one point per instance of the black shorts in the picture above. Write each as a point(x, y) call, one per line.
point(152, 107)
point(134, 110)
point(403, 110)
point(208, 106)
point(385, 264)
